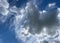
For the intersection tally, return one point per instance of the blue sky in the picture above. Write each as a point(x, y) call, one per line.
point(6, 34)
point(42, 3)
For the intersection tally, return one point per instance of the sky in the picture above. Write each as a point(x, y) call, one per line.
point(11, 21)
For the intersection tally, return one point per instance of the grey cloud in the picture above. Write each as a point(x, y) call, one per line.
point(36, 22)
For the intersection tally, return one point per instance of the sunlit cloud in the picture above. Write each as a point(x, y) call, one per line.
point(32, 25)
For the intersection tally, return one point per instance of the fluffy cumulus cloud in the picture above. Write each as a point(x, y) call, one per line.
point(32, 25)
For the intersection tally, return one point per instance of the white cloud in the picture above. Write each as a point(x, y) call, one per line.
point(51, 4)
point(25, 35)
point(58, 9)
point(20, 31)
point(4, 3)
point(3, 11)
point(58, 12)
point(3, 7)
point(58, 15)
point(13, 9)
point(44, 11)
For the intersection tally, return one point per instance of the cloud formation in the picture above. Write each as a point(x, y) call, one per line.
point(35, 27)
point(32, 25)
